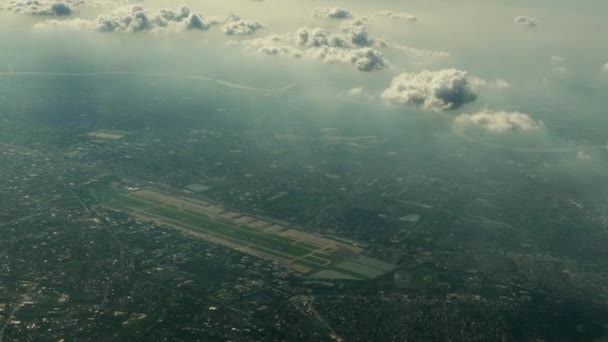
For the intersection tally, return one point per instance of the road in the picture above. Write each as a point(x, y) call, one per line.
point(220, 82)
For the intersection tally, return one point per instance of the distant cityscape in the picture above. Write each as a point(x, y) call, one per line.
point(226, 231)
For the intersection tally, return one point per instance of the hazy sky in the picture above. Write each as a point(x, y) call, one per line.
point(497, 66)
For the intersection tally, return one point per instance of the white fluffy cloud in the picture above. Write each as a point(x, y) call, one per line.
point(364, 59)
point(399, 16)
point(357, 34)
point(354, 36)
point(43, 7)
point(332, 13)
point(367, 59)
point(498, 122)
point(71, 24)
point(133, 19)
point(318, 37)
point(437, 91)
point(526, 21)
point(322, 45)
point(235, 26)
point(605, 67)
point(273, 47)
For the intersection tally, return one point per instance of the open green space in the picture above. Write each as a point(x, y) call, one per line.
point(308, 245)
point(318, 261)
point(312, 265)
point(356, 268)
point(334, 275)
point(122, 199)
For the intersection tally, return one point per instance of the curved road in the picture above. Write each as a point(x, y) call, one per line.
point(165, 75)
point(463, 135)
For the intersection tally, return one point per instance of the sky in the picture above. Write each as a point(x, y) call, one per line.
point(494, 67)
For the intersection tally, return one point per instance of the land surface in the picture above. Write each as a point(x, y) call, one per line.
point(200, 219)
point(300, 251)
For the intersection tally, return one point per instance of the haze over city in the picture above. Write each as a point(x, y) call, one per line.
point(264, 170)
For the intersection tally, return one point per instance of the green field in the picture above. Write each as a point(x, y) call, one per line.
point(316, 260)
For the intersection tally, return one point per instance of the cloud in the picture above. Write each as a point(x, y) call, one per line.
point(239, 27)
point(605, 67)
point(136, 19)
point(416, 52)
point(400, 16)
point(526, 21)
point(498, 122)
point(477, 82)
point(280, 50)
point(196, 22)
point(318, 37)
point(275, 45)
point(43, 7)
point(352, 46)
point(557, 60)
point(357, 34)
point(354, 35)
point(356, 91)
point(437, 91)
point(360, 93)
point(582, 155)
point(367, 59)
point(71, 24)
point(364, 59)
point(332, 13)
point(423, 56)
point(132, 19)
point(559, 63)
point(321, 45)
